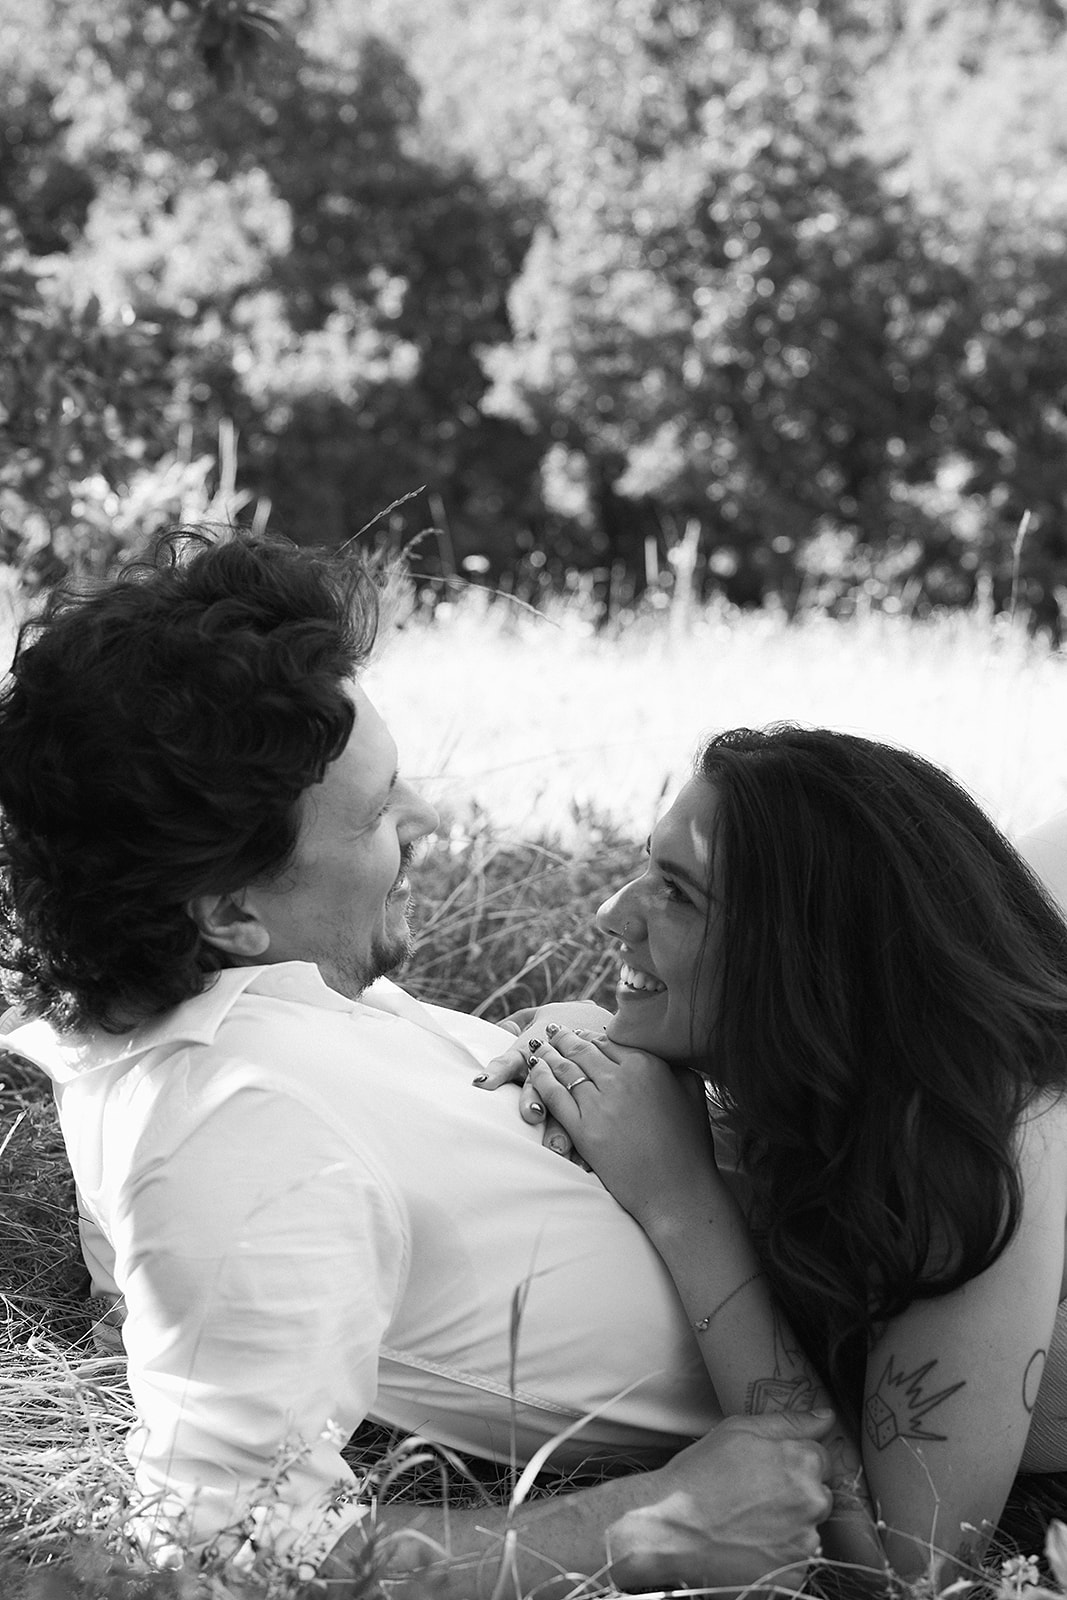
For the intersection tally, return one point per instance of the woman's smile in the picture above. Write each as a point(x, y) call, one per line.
point(666, 935)
point(636, 985)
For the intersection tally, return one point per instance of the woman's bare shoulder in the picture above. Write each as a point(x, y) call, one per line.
point(1041, 1149)
point(1045, 1115)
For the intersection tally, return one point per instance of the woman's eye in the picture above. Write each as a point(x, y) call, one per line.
point(672, 892)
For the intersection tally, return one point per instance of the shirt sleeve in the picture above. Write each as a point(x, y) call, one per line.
point(264, 1261)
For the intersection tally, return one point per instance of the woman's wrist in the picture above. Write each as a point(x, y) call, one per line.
point(686, 1212)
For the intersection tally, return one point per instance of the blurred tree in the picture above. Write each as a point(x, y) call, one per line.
point(47, 194)
point(763, 271)
point(728, 316)
point(302, 267)
point(984, 148)
point(762, 296)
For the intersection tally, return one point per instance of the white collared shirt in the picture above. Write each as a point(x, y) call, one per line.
point(314, 1217)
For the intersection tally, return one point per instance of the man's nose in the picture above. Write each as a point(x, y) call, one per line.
point(421, 817)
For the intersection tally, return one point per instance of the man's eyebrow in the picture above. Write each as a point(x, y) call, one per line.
point(380, 799)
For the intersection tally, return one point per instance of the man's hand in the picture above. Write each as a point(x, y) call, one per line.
point(566, 1013)
point(744, 1502)
point(740, 1507)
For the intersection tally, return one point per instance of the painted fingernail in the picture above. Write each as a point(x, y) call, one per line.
point(480, 1078)
point(534, 1044)
point(552, 1028)
point(536, 1108)
point(558, 1145)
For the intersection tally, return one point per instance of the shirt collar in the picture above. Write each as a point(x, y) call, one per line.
point(195, 1022)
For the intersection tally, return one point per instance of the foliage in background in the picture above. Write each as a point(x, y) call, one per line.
point(750, 296)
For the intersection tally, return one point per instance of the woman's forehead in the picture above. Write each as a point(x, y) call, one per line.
point(685, 830)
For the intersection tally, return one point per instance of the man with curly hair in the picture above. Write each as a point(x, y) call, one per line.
point(285, 1183)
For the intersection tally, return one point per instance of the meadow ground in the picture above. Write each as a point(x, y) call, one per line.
point(548, 746)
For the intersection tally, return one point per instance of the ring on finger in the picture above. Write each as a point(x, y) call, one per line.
point(577, 1081)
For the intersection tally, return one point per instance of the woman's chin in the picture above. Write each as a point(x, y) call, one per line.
point(624, 1030)
point(617, 1030)
point(629, 1032)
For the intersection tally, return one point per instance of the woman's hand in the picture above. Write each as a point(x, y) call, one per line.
point(530, 1028)
point(513, 1066)
point(641, 1125)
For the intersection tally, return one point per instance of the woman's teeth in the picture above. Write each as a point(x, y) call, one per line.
point(630, 978)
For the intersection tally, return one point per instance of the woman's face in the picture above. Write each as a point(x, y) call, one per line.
point(665, 919)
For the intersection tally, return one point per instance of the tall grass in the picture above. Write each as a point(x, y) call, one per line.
point(537, 717)
point(540, 717)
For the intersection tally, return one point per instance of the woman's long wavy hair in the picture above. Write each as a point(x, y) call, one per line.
point(893, 994)
point(156, 735)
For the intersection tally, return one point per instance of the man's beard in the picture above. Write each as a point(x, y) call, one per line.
point(389, 953)
point(388, 956)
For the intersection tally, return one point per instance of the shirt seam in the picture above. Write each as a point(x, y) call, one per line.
point(477, 1380)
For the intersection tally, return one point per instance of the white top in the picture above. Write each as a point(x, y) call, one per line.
point(314, 1217)
point(1045, 848)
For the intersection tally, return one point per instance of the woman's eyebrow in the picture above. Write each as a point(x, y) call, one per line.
point(674, 870)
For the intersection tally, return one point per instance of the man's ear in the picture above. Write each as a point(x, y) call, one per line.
point(226, 924)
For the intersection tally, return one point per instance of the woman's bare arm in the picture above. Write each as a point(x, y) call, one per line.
point(643, 1128)
point(951, 1383)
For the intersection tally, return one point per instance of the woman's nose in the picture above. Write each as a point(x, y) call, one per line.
point(618, 912)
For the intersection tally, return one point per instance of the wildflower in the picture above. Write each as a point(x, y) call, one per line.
point(1018, 1573)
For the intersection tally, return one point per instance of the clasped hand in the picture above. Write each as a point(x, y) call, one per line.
point(634, 1119)
point(741, 1504)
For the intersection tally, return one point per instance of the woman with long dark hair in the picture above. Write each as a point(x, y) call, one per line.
point(874, 987)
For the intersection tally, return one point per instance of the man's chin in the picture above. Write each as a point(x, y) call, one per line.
point(388, 960)
point(385, 960)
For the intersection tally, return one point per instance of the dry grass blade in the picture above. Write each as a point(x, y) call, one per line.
point(509, 924)
point(64, 1417)
point(42, 1278)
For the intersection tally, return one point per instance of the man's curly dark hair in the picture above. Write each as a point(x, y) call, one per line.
point(156, 734)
